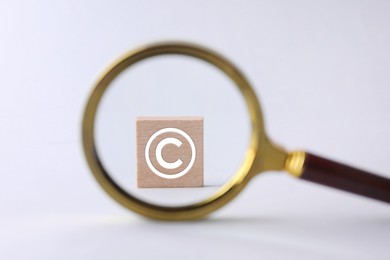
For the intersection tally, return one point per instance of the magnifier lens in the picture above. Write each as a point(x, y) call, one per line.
point(172, 86)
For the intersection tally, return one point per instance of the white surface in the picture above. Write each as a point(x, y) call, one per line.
point(320, 68)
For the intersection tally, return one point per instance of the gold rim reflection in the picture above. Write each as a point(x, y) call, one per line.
point(261, 154)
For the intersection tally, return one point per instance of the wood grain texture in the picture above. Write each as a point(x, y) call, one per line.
point(170, 153)
point(343, 177)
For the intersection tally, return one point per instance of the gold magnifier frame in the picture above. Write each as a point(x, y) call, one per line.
point(261, 155)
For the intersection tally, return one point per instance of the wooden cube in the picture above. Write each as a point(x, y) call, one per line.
point(169, 152)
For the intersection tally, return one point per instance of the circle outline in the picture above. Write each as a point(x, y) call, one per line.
point(170, 130)
point(261, 155)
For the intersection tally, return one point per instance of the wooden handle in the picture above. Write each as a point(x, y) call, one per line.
point(343, 177)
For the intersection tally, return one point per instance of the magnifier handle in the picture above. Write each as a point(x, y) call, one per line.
point(343, 177)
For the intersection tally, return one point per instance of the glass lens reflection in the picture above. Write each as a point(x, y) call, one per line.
point(169, 86)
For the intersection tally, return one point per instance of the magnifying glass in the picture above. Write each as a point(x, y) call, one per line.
point(162, 80)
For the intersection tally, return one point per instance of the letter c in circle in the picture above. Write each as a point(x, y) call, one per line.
point(159, 148)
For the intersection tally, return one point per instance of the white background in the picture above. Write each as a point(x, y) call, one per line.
point(321, 69)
